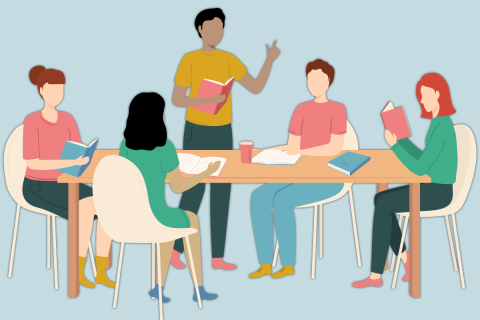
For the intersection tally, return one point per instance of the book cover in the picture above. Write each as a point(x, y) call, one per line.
point(349, 162)
point(395, 121)
point(210, 88)
point(73, 150)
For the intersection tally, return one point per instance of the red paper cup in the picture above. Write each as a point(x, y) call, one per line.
point(246, 148)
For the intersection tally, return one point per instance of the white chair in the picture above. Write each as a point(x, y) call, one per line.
point(14, 168)
point(467, 157)
point(350, 143)
point(121, 202)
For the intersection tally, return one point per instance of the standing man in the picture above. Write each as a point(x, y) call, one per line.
point(204, 131)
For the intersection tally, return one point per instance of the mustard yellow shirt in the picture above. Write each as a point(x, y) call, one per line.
point(217, 66)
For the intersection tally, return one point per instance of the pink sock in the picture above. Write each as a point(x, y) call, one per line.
point(175, 260)
point(218, 263)
point(368, 283)
point(407, 268)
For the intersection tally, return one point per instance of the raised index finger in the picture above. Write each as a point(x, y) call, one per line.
point(274, 42)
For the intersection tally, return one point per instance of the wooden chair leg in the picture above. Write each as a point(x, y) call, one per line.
point(355, 234)
point(451, 244)
point(118, 275)
point(194, 276)
point(160, 293)
point(400, 252)
point(458, 251)
point(55, 268)
point(314, 249)
point(14, 241)
point(276, 255)
point(92, 259)
point(393, 254)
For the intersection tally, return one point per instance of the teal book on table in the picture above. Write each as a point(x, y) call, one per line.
point(349, 162)
point(74, 150)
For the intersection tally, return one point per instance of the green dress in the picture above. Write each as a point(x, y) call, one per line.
point(154, 166)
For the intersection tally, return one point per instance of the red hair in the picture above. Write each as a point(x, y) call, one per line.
point(324, 66)
point(39, 76)
point(437, 83)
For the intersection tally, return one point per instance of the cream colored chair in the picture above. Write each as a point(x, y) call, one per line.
point(467, 158)
point(121, 202)
point(350, 143)
point(14, 168)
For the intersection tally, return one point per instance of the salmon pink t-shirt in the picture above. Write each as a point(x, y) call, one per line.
point(314, 122)
point(45, 140)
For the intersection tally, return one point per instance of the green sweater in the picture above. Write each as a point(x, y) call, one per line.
point(439, 159)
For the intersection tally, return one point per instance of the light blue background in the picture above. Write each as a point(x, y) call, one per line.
point(112, 50)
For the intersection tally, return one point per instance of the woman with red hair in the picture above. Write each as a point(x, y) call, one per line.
point(44, 135)
point(438, 160)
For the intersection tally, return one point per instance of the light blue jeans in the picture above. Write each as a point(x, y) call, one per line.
point(284, 197)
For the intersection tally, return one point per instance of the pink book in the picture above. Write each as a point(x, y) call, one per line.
point(395, 121)
point(210, 88)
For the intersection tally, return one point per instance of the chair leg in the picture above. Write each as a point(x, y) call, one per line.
point(153, 267)
point(48, 242)
point(118, 275)
point(194, 276)
point(320, 235)
point(275, 256)
point(451, 243)
point(405, 224)
point(160, 293)
point(55, 268)
point(14, 241)
point(393, 254)
point(354, 222)
point(92, 258)
point(458, 251)
point(314, 245)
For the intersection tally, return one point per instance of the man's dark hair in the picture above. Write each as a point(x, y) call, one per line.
point(145, 128)
point(208, 14)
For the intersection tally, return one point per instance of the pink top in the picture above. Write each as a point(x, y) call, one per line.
point(45, 140)
point(315, 122)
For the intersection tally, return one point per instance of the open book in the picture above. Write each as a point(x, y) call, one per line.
point(275, 157)
point(192, 164)
point(395, 121)
point(74, 150)
point(210, 88)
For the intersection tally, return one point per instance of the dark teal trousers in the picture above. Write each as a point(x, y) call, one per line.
point(386, 231)
point(197, 137)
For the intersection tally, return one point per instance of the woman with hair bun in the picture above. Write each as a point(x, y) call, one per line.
point(438, 160)
point(44, 135)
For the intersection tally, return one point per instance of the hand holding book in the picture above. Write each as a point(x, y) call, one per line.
point(390, 137)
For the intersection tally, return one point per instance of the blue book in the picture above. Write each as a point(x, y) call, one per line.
point(73, 150)
point(348, 162)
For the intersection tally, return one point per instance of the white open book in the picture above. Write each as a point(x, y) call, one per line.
point(192, 164)
point(275, 157)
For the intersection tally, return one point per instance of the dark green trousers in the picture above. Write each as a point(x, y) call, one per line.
point(197, 137)
point(386, 231)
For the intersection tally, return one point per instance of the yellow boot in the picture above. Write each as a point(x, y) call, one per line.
point(101, 272)
point(265, 270)
point(286, 270)
point(82, 280)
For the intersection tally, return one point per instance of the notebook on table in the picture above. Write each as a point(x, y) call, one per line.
point(192, 164)
point(275, 157)
point(395, 121)
point(210, 88)
point(349, 162)
point(74, 150)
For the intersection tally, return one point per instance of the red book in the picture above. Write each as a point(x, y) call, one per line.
point(395, 121)
point(210, 88)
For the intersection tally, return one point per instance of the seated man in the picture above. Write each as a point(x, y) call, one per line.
point(317, 128)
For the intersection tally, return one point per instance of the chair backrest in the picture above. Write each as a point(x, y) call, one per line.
point(350, 141)
point(122, 205)
point(467, 158)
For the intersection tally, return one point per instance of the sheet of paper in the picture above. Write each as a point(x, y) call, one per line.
point(267, 156)
point(187, 162)
point(285, 158)
point(202, 165)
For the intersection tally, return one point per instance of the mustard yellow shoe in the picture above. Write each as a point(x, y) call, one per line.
point(265, 270)
point(101, 272)
point(81, 277)
point(286, 270)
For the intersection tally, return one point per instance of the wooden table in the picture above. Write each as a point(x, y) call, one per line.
point(383, 168)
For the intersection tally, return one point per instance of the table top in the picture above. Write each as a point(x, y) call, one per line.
point(383, 167)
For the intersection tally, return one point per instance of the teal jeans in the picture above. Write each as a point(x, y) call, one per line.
point(283, 197)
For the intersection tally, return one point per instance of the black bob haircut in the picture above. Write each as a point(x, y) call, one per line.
point(208, 14)
point(145, 128)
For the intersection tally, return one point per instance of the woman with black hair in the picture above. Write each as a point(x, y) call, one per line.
point(147, 146)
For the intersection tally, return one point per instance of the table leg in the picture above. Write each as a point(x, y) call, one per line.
point(73, 252)
point(382, 187)
point(109, 263)
point(414, 240)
